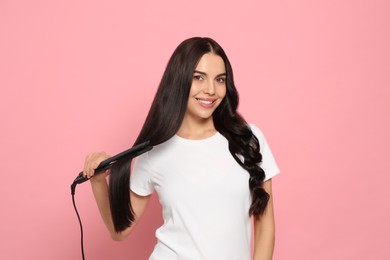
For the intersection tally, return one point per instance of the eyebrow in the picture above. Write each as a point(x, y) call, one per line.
point(204, 73)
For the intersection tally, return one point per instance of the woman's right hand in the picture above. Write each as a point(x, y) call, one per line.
point(92, 161)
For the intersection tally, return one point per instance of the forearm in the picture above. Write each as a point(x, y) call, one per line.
point(264, 228)
point(265, 243)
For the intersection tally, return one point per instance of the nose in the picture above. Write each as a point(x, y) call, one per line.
point(209, 88)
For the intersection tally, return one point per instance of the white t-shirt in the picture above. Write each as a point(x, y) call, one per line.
point(204, 195)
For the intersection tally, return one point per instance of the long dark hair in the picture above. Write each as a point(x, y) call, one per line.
point(166, 115)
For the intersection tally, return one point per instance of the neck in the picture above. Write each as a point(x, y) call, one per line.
point(196, 129)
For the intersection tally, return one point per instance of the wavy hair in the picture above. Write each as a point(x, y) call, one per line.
point(166, 115)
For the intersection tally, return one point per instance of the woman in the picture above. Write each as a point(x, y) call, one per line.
point(204, 156)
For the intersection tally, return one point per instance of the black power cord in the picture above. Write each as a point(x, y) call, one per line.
point(73, 189)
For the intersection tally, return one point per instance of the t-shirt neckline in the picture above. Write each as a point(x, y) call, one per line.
point(196, 141)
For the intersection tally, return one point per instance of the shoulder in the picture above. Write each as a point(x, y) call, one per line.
point(160, 152)
point(257, 131)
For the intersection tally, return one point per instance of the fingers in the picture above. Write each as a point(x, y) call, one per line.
point(92, 161)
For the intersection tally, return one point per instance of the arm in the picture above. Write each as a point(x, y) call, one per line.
point(264, 229)
point(100, 192)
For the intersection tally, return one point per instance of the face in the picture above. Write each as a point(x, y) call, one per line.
point(208, 87)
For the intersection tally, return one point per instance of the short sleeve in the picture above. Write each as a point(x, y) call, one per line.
point(268, 164)
point(140, 177)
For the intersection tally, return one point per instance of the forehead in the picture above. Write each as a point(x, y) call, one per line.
point(211, 63)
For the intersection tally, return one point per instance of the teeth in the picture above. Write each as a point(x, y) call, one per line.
point(204, 101)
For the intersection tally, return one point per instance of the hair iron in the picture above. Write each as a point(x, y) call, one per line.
point(106, 164)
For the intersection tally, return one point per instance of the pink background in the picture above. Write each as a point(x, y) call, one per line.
point(79, 76)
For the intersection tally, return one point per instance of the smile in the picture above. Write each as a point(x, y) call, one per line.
point(206, 102)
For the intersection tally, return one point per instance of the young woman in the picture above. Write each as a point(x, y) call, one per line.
point(203, 159)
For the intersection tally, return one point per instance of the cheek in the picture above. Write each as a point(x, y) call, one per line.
point(195, 89)
point(222, 92)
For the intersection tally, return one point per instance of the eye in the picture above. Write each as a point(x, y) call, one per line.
point(198, 77)
point(221, 80)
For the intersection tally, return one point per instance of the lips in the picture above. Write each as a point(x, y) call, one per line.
point(206, 102)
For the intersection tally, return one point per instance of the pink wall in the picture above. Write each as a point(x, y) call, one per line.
point(79, 76)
